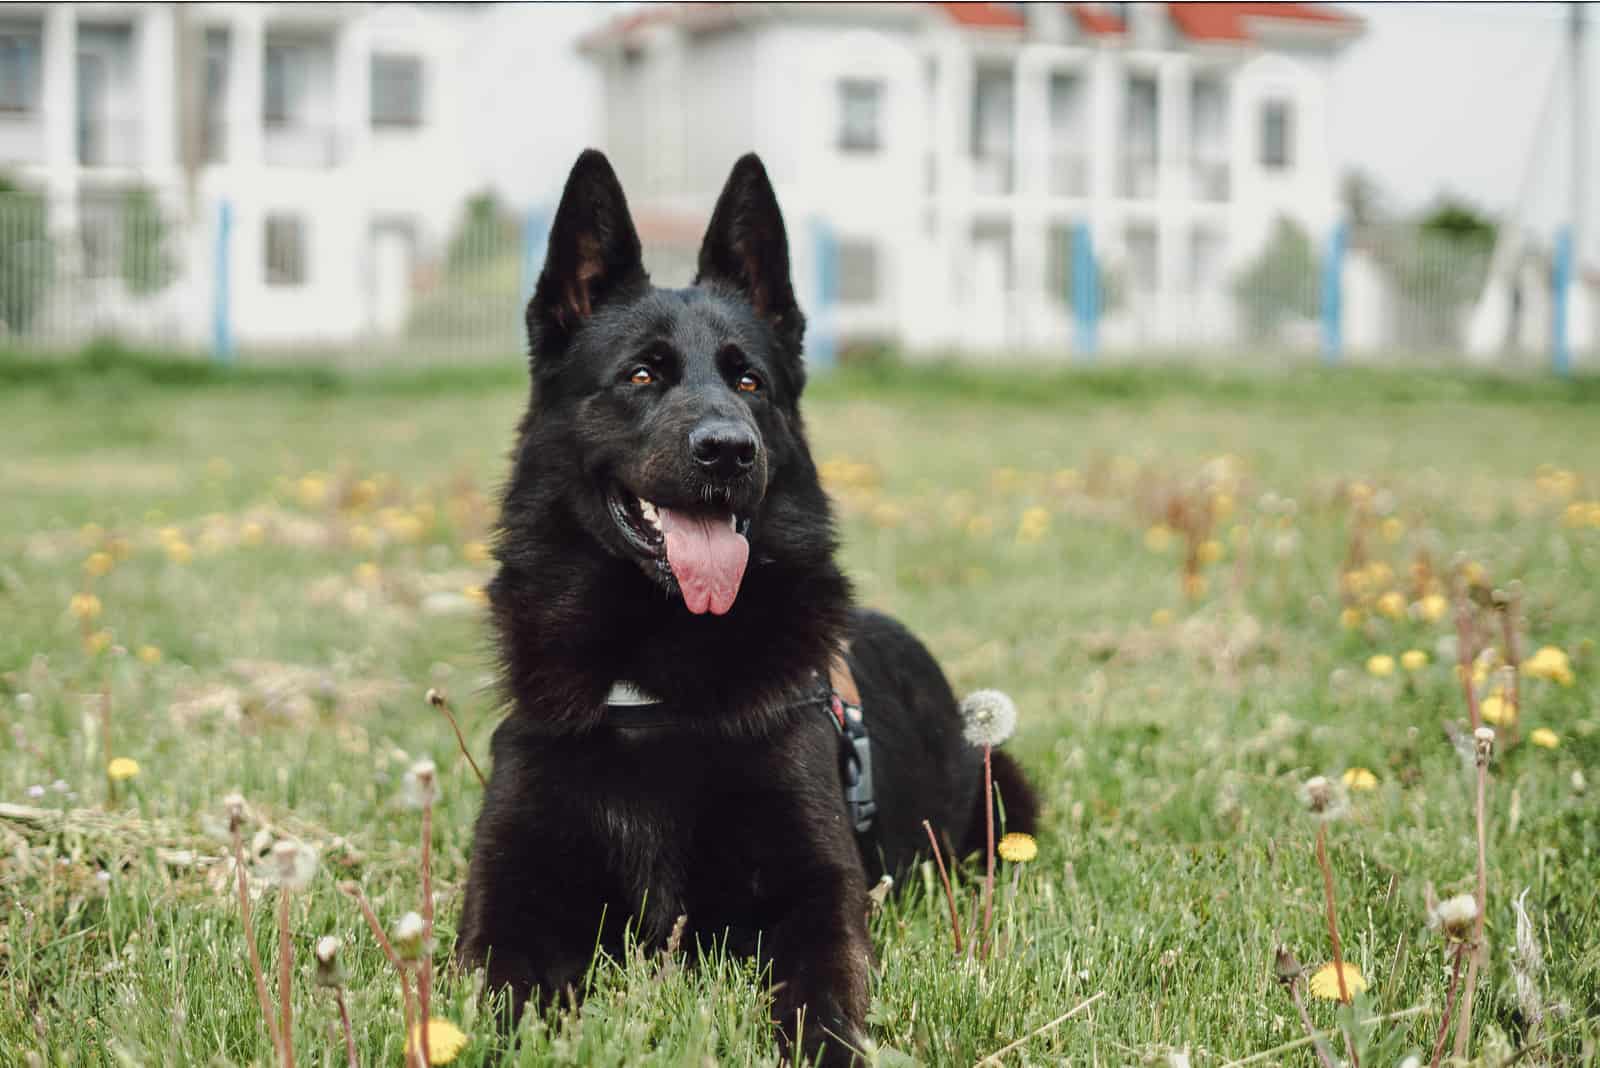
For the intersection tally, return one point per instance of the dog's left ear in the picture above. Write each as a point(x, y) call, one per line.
point(747, 249)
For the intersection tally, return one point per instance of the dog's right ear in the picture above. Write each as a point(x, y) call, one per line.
point(593, 253)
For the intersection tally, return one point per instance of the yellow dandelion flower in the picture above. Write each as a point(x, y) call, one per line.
point(1413, 660)
point(1379, 574)
point(1499, 710)
point(361, 537)
point(888, 515)
point(1161, 617)
point(218, 468)
point(1325, 983)
point(150, 654)
point(1359, 779)
point(1381, 665)
point(1393, 604)
point(362, 494)
point(97, 564)
point(90, 534)
point(1550, 663)
point(84, 606)
point(1350, 618)
point(252, 534)
point(1392, 529)
point(367, 574)
point(476, 594)
point(445, 1040)
point(1222, 506)
point(1360, 492)
point(1210, 551)
point(980, 526)
point(311, 491)
point(119, 547)
point(475, 552)
point(1017, 848)
point(97, 643)
point(1066, 480)
point(1544, 738)
point(1475, 573)
point(1034, 525)
point(122, 768)
point(179, 552)
point(1158, 538)
point(1432, 607)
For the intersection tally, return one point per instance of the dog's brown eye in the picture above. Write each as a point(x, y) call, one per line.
point(749, 383)
point(642, 376)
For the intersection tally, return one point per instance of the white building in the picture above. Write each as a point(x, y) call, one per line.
point(345, 139)
point(952, 149)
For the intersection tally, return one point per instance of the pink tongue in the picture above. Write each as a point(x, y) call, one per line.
point(708, 558)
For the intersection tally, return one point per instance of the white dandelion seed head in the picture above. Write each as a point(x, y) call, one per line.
point(990, 718)
point(233, 806)
point(328, 947)
point(420, 786)
point(408, 936)
point(1483, 743)
point(293, 865)
point(1324, 798)
point(1454, 916)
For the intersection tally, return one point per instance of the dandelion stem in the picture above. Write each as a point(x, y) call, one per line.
point(1333, 920)
point(1449, 1007)
point(1464, 1022)
point(285, 970)
point(425, 962)
point(353, 891)
point(1317, 1044)
point(256, 973)
point(344, 1023)
point(944, 876)
point(438, 700)
point(988, 878)
point(1508, 626)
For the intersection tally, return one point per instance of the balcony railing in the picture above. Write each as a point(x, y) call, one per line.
point(21, 137)
point(1140, 175)
point(301, 144)
point(1208, 180)
point(1069, 174)
point(991, 173)
point(108, 142)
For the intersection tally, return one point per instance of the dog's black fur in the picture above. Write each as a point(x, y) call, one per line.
point(733, 815)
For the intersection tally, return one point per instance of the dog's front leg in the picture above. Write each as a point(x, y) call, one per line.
point(821, 957)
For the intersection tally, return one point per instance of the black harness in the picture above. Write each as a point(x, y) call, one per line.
point(627, 709)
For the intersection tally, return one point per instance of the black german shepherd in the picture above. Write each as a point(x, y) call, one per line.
point(664, 538)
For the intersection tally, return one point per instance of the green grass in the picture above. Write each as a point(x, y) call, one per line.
point(1169, 750)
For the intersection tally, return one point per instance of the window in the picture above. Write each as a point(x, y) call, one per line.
point(992, 118)
point(213, 124)
point(1069, 161)
point(858, 272)
point(396, 91)
point(860, 115)
point(19, 67)
point(285, 250)
point(1277, 135)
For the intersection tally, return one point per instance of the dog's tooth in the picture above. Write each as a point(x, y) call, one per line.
point(648, 510)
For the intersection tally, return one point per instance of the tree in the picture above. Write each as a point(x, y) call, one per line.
point(1281, 284)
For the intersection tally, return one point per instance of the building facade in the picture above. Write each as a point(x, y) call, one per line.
point(308, 159)
point(953, 153)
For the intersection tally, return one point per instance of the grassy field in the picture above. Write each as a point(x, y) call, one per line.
point(281, 564)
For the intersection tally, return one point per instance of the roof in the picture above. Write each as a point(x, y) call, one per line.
point(1233, 22)
point(1236, 23)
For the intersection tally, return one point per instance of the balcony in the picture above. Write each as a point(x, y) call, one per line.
point(306, 145)
point(1069, 173)
point(108, 142)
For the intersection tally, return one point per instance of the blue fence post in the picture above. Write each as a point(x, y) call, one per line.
point(535, 236)
point(1561, 292)
point(822, 350)
point(1085, 293)
point(1333, 294)
point(221, 321)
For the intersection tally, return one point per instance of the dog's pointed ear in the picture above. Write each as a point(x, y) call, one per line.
point(747, 249)
point(593, 253)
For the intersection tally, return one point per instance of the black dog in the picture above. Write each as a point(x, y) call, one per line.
point(664, 536)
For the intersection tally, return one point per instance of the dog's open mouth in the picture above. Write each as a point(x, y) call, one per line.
point(704, 551)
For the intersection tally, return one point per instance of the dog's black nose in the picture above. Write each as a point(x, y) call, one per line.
point(723, 449)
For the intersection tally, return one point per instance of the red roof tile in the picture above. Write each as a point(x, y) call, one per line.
point(986, 16)
point(1097, 21)
point(1230, 22)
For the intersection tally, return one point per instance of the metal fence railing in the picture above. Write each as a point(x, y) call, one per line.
point(129, 265)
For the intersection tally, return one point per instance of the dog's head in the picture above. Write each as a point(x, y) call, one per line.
point(680, 407)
